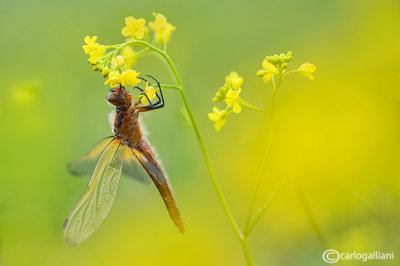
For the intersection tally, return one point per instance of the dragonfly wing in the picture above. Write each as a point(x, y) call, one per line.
point(133, 168)
point(150, 166)
point(96, 201)
point(86, 164)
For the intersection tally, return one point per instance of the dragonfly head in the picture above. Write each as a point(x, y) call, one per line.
point(120, 97)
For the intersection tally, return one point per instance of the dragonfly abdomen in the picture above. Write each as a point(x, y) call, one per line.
point(157, 175)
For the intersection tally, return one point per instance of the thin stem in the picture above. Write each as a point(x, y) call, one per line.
point(265, 160)
point(210, 169)
point(310, 216)
point(250, 106)
point(246, 251)
point(273, 85)
point(167, 86)
point(289, 72)
point(140, 52)
point(264, 208)
point(164, 42)
point(199, 137)
point(279, 82)
point(218, 190)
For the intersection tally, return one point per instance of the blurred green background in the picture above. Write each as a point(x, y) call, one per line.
point(336, 137)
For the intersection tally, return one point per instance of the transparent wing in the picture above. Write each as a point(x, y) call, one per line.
point(133, 168)
point(96, 201)
point(85, 165)
point(150, 166)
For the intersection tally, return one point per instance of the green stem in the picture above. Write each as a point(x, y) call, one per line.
point(265, 160)
point(289, 72)
point(218, 190)
point(264, 208)
point(167, 86)
point(221, 197)
point(164, 42)
point(204, 150)
point(246, 251)
point(310, 215)
point(140, 52)
point(248, 105)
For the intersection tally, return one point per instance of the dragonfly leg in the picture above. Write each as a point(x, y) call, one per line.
point(120, 90)
point(160, 102)
point(137, 87)
point(161, 93)
point(158, 97)
point(145, 95)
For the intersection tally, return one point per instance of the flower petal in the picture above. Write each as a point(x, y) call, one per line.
point(126, 31)
point(237, 108)
point(130, 21)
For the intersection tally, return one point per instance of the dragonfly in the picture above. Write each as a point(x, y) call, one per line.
point(126, 151)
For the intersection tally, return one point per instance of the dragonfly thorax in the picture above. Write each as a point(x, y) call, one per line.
point(127, 127)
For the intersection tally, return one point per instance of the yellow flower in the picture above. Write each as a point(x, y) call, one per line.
point(113, 79)
point(232, 100)
point(219, 117)
point(117, 61)
point(233, 80)
point(90, 44)
point(134, 27)
point(129, 54)
point(129, 78)
point(95, 55)
point(268, 72)
point(161, 27)
point(306, 69)
point(93, 49)
point(151, 94)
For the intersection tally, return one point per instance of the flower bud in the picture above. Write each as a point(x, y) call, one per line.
point(289, 56)
point(261, 73)
point(105, 71)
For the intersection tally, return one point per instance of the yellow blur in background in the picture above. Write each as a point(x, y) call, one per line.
point(336, 138)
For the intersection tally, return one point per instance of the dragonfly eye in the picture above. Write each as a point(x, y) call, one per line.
point(119, 97)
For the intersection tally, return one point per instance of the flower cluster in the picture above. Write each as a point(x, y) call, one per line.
point(230, 94)
point(219, 117)
point(126, 78)
point(93, 49)
point(276, 66)
point(161, 28)
point(116, 64)
point(135, 28)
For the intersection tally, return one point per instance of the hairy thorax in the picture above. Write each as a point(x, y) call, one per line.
point(126, 126)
